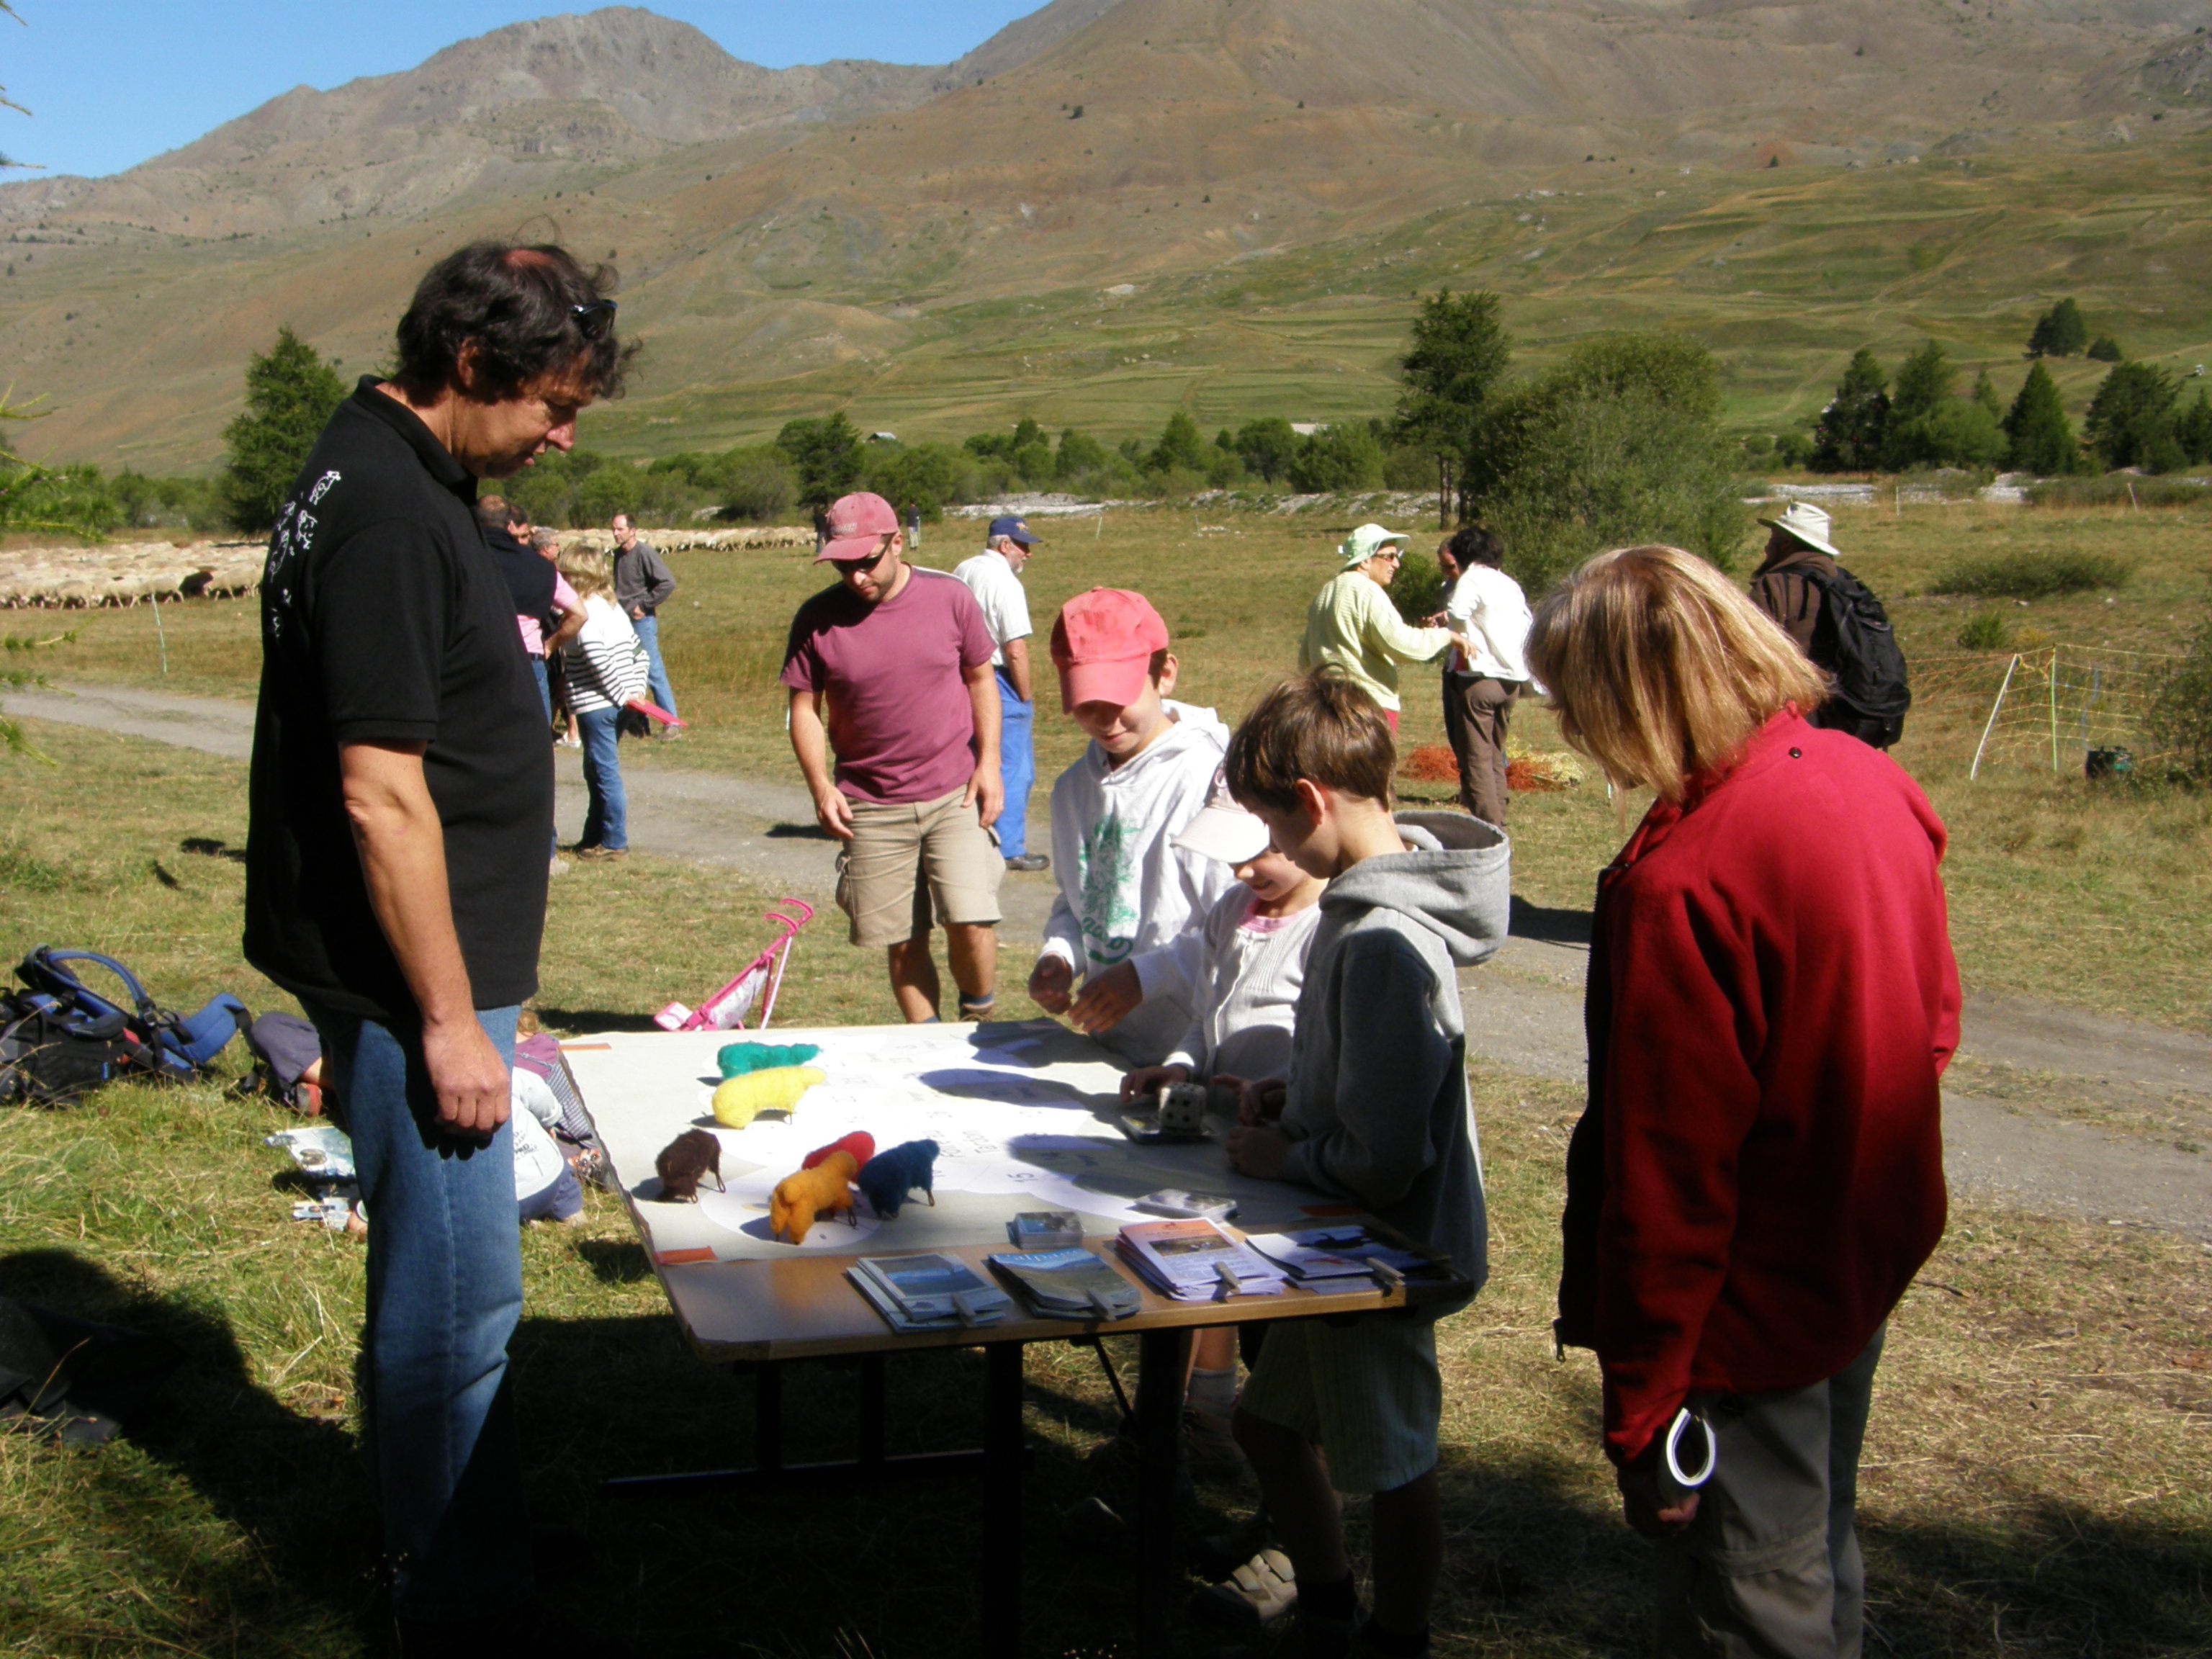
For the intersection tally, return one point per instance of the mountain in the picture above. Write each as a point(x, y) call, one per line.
point(937, 236)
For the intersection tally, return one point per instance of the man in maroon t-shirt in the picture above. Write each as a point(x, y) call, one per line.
point(899, 660)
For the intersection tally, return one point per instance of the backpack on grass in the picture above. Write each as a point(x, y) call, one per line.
point(47, 1059)
point(1854, 635)
point(176, 1045)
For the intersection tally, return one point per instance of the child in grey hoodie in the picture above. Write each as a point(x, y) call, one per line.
point(1376, 1112)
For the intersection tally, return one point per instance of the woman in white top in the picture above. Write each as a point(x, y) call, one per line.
point(605, 667)
point(1481, 684)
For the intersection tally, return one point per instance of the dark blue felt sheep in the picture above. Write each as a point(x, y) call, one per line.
point(886, 1179)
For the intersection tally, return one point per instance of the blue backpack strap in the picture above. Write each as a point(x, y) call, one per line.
point(199, 1039)
point(42, 969)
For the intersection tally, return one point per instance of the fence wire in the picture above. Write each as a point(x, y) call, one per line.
point(2045, 708)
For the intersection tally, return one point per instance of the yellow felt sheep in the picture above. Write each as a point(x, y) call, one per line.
point(800, 1198)
point(740, 1099)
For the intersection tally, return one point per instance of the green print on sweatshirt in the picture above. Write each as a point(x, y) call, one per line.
point(1108, 886)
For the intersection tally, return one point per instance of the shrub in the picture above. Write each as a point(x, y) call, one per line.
point(2181, 714)
point(2114, 490)
point(1337, 458)
point(1266, 447)
point(2034, 576)
point(828, 455)
point(1180, 448)
point(1619, 444)
point(757, 483)
point(1417, 589)
point(2105, 349)
point(1986, 630)
point(606, 491)
point(1957, 431)
point(931, 476)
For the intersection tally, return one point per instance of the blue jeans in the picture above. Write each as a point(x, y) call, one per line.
point(656, 671)
point(1018, 766)
point(606, 819)
point(445, 1290)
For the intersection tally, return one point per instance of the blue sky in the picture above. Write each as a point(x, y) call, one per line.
point(110, 82)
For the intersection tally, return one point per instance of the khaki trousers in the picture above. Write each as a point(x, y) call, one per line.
point(1771, 1567)
point(1477, 711)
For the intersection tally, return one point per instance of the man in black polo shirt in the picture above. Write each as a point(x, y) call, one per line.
point(402, 800)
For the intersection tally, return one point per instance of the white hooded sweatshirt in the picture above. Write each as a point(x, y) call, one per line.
point(1125, 893)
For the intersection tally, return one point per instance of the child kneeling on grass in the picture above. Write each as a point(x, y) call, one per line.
point(1376, 1112)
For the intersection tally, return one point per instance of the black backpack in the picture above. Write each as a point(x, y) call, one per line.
point(1854, 640)
point(48, 1058)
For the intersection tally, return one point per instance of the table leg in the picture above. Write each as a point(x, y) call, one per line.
point(767, 1417)
point(1000, 1579)
point(1161, 1358)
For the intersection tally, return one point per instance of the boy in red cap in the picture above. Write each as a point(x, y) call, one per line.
point(1131, 901)
point(899, 659)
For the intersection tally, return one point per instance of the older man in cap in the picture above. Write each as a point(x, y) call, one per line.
point(899, 660)
point(1352, 624)
point(1839, 626)
point(994, 576)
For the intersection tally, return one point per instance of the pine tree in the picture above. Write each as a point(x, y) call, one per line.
point(1459, 350)
point(2106, 349)
point(1851, 431)
point(2130, 420)
point(827, 454)
point(1179, 447)
point(2059, 333)
point(2193, 431)
point(2041, 437)
point(291, 396)
point(1985, 394)
point(1923, 380)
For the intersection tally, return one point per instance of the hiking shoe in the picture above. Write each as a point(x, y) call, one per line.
point(603, 854)
point(1030, 863)
point(1257, 1594)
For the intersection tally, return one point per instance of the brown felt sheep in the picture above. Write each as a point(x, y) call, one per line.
point(800, 1198)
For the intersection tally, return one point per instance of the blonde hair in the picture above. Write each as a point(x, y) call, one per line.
point(1659, 669)
point(587, 572)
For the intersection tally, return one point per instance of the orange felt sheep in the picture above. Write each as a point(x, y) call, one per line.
point(800, 1198)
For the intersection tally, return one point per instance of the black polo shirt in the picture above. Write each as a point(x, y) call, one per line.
point(384, 617)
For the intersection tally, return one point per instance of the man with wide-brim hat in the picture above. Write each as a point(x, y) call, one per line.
point(1352, 624)
point(1801, 583)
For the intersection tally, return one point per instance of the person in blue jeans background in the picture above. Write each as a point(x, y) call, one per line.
point(604, 667)
point(994, 576)
point(643, 583)
point(401, 801)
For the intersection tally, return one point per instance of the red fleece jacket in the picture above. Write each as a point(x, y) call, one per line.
point(1771, 1001)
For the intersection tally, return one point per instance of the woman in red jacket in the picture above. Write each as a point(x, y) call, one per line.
point(1760, 1170)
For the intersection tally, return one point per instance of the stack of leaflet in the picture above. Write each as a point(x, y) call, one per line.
point(1045, 1230)
point(1069, 1284)
point(1336, 1259)
point(928, 1293)
point(1195, 1260)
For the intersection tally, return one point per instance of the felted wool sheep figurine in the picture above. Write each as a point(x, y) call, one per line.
point(744, 1097)
point(800, 1198)
point(692, 1155)
point(741, 1058)
point(861, 1144)
point(889, 1176)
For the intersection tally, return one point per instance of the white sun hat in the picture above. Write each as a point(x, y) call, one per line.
point(1223, 829)
point(1809, 524)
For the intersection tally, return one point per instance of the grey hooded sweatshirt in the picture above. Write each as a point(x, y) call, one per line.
point(1377, 1110)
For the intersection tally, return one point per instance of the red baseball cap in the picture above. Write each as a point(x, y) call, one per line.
point(858, 524)
point(1102, 644)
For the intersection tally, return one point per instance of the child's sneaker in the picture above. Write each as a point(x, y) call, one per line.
point(1253, 1596)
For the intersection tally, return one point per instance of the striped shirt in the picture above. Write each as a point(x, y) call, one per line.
point(606, 664)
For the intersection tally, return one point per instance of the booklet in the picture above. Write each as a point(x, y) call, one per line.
point(1045, 1230)
point(1333, 1259)
point(1069, 1284)
point(928, 1292)
point(1195, 1260)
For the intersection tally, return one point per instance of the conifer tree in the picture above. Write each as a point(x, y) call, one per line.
point(2193, 431)
point(290, 395)
point(2059, 333)
point(1923, 380)
point(1459, 350)
point(2131, 421)
point(1985, 394)
point(2041, 437)
point(1851, 431)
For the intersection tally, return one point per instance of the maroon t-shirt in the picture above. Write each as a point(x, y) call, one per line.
point(899, 716)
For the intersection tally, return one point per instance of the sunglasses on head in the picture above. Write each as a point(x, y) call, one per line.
point(594, 320)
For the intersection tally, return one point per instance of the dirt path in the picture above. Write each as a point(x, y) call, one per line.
point(1524, 1009)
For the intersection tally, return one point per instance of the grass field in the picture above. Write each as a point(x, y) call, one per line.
point(2080, 894)
point(2033, 1477)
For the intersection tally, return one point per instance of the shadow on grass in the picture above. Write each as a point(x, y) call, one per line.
point(571, 1020)
point(291, 1483)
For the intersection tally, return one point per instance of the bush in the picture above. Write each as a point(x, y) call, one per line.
point(1986, 630)
point(1337, 459)
point(2113, 491)
point(931, 476)
point(1266, 447)
point(1957, 431)
point(606, 491)
point(1417, 589)
point(1618, 444)
point(828, 455)
point(756, 484)
point(2181, 714)
point(2034, 576)
point(2105, 349)
point(1180, 448)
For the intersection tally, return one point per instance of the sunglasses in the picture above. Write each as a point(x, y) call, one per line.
point(594, 320)
point(861, 566)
